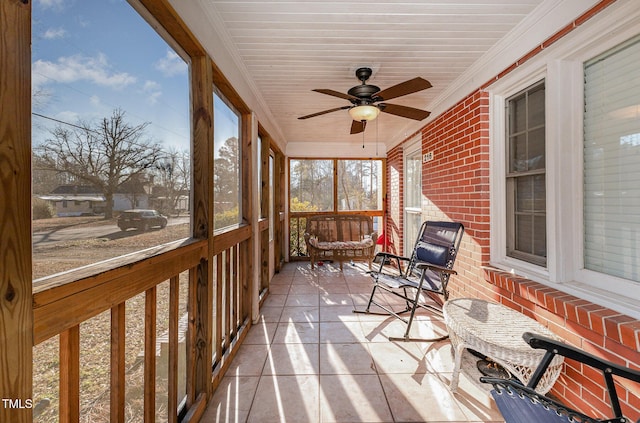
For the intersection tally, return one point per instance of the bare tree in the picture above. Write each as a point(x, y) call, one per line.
point(172, 178)
point(105, 155)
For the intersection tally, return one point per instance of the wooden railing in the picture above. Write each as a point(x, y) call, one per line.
point(232, 295)
point(218, 310)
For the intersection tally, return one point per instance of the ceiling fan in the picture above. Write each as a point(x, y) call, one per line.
point(365, 100)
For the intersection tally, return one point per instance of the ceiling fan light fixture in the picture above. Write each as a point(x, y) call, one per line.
point(365, 112)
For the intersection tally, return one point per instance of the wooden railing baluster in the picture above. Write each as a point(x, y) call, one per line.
point(227, 298)
point(174, 316)
point(150, 309)
point(70, 375)
point(235, 282)
point(118, 330)
point(219, 311)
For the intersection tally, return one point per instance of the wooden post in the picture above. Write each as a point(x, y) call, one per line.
point(16, 311)
point(264, 207)
point(199, 350)
point(249, 138)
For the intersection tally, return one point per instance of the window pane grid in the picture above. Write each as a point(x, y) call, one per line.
point(526, 204)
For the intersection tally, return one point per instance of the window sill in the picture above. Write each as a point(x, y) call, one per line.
point(572, 310)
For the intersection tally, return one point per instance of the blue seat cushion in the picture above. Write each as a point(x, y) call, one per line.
point(516, 408)
point(432, 253)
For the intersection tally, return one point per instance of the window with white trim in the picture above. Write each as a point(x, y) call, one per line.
point(591, 165)
point(526, 191)
point(612, 162)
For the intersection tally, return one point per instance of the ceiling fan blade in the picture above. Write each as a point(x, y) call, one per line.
point(335, 93)
point(357, 127)
point(324, 112)
point(404, 111)
point(407, 87)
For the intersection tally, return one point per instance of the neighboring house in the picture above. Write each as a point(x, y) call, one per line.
point(79, 200)
point(161, 199)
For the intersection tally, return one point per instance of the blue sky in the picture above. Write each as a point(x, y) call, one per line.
point(91, 57)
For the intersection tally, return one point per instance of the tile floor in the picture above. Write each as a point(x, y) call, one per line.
point(311, 359)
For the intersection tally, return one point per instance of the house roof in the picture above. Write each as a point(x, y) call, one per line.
point(129, 187)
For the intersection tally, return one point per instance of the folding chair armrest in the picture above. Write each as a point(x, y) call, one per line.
point(435, 267)
point(607, 369)
point(386, 255)
point(565, 350)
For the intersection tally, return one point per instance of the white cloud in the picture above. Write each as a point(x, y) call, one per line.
point(171, 64)
point(151, 86)
point(51, 4)
point(153, 91)
point(80, 68)
point(53, 33)
point(68, 116)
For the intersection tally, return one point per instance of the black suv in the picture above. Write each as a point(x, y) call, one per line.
point(141, 220)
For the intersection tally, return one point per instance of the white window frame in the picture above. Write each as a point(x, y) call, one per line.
point(561, 66)
point(411, 147)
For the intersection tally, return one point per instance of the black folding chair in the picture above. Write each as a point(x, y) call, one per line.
point(522, 404)
point(421, 279)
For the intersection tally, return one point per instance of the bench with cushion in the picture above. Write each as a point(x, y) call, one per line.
point(340, 237)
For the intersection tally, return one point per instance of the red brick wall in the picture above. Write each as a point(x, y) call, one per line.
point(395, 196)
point(455, 186)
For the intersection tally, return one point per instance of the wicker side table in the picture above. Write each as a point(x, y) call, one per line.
point(496, 331)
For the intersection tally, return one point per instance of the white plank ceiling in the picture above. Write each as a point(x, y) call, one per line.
point(287, 48)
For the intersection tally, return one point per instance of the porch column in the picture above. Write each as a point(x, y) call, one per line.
point(16, 310)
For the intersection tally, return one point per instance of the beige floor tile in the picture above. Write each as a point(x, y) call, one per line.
point(249, 361)
point(353, 398)
point(360, 286)
point(298, 300)
point(286, 399)
point(398, 357)
point(338, 314)
point(293, 359)
point(297, 332)
point(438, 355)
point(261, 333)
point(282, 278)
point(232, 400)
point(275, 300)
point(334, 288)
point(310, 359)
point(279, 289)
point(303, 288)
point(360, 299)
point(420, 398)
point(341, 332)
point(270, 314)
point(346, 359)
point(300, 314)
point(336, 299)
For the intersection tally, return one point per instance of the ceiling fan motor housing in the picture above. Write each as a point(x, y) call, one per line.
point(363, 91)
